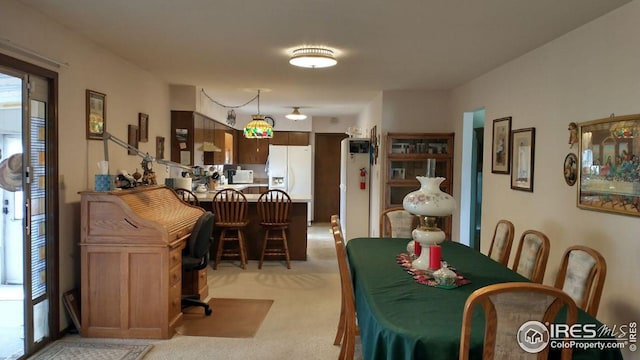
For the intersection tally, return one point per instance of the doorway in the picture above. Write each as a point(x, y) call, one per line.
point(28, 250)
point(326, 196)
point(471, 179)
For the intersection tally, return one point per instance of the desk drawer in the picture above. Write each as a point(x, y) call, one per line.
point(175, 300)
point(175, 274)
point(175, 257)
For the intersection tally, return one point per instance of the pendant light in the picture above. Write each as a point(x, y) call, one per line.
point(257, 128)
point(295, 114)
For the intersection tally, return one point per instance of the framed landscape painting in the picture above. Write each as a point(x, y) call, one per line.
point(501, 146)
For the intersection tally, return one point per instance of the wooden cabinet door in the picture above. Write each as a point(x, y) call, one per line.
point(298, 138)
point(280, 138)
point(252, 151)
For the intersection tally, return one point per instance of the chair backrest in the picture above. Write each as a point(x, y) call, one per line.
point(532, 255)
point(348, 297)
point(273, 207)
point(230, 206)
point(397, 223)
point(507, 306)
point(500, 249)
point(200, 240)
point(187, 196)
point(582, 273)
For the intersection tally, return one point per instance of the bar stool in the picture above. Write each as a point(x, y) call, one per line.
point(273, 209)
point(230, 209)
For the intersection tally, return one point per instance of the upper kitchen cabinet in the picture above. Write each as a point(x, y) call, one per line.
point(290, 138)
point(198, 140)
point(256, 151)
point(407, 156)
point(252, 151)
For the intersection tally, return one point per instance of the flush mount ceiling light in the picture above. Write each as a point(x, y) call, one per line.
point(313, 57)
point(295, 114)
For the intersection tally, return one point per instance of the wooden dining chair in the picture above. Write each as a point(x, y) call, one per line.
point(273, 208)
point(507, 306)
point(230, 209)
point(532, 255)
point(397, 222)
point(500, 249)
point(582, 274)
point(187, 196)
point(347, 328)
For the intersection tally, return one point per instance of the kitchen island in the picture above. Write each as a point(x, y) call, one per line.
point(254, 233)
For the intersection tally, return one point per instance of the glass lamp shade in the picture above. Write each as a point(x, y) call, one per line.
point(258, 128)
point(313, 57)
point(431, 202)
point(296, 115)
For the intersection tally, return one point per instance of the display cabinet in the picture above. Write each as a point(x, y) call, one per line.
point(407, 155)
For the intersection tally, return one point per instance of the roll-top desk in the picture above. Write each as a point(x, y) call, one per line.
point(131, 246)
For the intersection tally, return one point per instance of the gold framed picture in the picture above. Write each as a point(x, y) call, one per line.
point(96, 108)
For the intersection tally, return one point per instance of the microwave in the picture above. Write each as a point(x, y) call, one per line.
point(240, 176)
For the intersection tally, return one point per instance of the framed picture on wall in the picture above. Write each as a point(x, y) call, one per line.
point(133, 138)
point(501, 146)
point(609, 165)
point(143, 127)
point(522, 159)
point(96, 110)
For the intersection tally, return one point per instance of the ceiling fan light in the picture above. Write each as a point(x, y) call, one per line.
point(296, 115)
point(313, 57)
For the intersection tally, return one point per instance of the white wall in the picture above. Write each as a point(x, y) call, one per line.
point(585, 75)
point(129, 90)
point(372, 116)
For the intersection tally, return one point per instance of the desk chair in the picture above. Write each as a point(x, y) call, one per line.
point(582, 275)
point(273, 209)
point(532, 255)
point(195, 255)
point(347, 328)
point(507, 307)
point(230, 207)
point(187, 196)
point(397, 223)
point(500, 249)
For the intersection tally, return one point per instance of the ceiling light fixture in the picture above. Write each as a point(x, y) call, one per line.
point(313, 57)
point(295, 114)
point(257, 128)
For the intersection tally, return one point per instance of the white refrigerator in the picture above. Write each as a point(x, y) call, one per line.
point(354, 201)
point(290, 169)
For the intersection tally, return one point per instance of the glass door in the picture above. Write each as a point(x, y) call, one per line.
point(25, 274)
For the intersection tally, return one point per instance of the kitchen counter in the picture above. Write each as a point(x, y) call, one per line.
point(208, 196)
point(254, 232)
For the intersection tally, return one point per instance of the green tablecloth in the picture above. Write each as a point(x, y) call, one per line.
point(401, 319)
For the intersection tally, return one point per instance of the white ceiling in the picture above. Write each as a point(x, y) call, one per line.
point(233, 47)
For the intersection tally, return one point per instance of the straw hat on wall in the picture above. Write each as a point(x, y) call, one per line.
point(11, 173)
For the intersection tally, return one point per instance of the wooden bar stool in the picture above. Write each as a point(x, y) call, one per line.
point(230, 210)
point(273, 209)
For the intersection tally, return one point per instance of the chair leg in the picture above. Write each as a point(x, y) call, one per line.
point(286, 248)
point(243, 256)
point(264, 248)
point(220, 248)
point(341, 324)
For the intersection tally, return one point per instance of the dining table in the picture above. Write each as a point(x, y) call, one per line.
point(400, 318)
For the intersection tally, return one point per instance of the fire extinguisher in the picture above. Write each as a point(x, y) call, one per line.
point(363, 178)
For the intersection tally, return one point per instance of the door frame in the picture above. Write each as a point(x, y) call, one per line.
point(52, 200)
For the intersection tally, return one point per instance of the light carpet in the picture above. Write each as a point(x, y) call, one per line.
point(232, 318)
point(84, 350)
